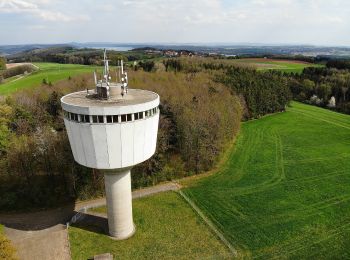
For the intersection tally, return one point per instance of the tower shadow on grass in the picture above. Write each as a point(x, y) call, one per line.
point(95, 223)
point(39, 220)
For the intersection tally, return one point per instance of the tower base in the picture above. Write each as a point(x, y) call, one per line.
point(119, 203)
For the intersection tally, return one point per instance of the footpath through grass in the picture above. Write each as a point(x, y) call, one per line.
point(51, 72)
point(166, 228)
point(285, 190)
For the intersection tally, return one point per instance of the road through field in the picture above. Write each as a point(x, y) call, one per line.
point(285, 190)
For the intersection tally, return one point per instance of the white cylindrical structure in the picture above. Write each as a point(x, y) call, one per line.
point(113, 135)
point(119, 203)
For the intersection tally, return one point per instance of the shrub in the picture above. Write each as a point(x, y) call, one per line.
point(18, 70)
point(2, 63)
point(7, 251)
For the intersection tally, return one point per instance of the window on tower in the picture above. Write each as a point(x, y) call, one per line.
point(110, 118)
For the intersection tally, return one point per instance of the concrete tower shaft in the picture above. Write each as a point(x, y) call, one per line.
point(119, 201)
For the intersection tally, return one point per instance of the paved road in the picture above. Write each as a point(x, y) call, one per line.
point(49, 244)
point(43, 235)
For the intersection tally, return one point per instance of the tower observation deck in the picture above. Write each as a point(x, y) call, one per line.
point(112, 128)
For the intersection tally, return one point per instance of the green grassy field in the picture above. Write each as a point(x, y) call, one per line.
point(52, 72)
point(288, 66)
point(166, 228)
point(285, 190)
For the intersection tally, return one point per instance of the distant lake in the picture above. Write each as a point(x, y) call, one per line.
point(118, 48)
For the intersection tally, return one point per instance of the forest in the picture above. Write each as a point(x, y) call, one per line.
point(325, 87)
point(201, 108)
point(72, 55)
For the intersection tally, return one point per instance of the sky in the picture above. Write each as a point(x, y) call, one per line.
point(317, 22)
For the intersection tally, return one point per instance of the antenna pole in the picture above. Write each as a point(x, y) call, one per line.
point(119, 76)
point(95, 77)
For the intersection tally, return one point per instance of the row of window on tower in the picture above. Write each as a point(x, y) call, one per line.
point(99, 119)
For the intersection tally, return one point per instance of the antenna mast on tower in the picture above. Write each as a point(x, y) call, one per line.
point(104, 87)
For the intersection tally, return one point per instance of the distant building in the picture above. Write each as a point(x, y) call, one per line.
point(170, 53)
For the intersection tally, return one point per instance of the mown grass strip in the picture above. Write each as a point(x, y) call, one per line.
point(209, 223)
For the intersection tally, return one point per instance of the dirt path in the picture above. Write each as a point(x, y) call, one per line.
point(13, 65)
point(43, 235)
point(169, 186)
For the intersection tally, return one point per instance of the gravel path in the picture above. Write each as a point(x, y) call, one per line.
point(43, 235)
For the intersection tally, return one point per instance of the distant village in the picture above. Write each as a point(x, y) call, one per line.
point(183, 53)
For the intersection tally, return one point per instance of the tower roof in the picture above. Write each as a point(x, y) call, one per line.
point(137, 100)
point(134, 97)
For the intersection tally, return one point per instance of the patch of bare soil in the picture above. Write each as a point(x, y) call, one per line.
point(13, 65)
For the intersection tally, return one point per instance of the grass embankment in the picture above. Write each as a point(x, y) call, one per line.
point(166, 228)
point(51, 72)
point(288, 66)
point(285, 190)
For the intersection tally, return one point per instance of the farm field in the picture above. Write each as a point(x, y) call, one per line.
point(166, 228)
point(52, 72)
point(285, 190)
point(288, 66)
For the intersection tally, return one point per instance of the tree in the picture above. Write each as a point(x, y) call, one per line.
point(309, 86)
point(324, 91)
point(344, 90)
point(53, 104)
point(147, 65)
point(4, 138)
point(21, 156)
point(331, 102)
point(6, 114)
point(2, 63)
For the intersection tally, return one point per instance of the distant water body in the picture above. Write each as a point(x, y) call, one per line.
point(118, 48)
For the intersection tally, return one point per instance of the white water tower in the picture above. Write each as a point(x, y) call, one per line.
point(112, 129)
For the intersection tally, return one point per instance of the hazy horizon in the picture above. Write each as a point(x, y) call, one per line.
point(199, 44)
point(208, 22)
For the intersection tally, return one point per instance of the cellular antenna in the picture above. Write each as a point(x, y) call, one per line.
point(102, 86)
point(126, 82)
point(95, 78)
point(106, 67)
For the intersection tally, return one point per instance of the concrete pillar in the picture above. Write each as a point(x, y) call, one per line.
point(119, 203)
